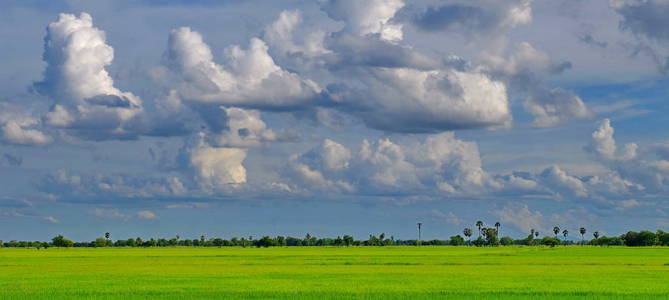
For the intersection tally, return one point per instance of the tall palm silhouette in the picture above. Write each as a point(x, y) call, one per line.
point(596, 234)
point(556, 230)
point(582, 232)
point(497, 226)
point(419, 224)
point(479, 224)
point(107, 235)
point(536, 233)
point(565, 233)
point(468, 233)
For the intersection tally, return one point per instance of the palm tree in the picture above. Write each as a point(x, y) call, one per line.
point(596, 234)
point(536, 233)
point(497, 226)
point(468, 234)
point(582, 232)
point(565, 233)
point(556, 230)
point(479, 224)
point(419, 224)
point(531, 231)
point(107, 235)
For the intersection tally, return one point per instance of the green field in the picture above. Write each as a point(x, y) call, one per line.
point(336, 273)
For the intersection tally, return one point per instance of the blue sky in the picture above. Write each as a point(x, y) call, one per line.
point(238, 118)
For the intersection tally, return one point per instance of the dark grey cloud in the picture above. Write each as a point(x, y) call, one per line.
point(647, 18)
point(477, 17)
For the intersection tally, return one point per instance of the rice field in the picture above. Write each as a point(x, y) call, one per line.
point(336, 273)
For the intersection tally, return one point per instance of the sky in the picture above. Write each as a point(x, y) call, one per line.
point(331, 117)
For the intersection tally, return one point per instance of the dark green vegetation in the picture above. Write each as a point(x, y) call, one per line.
point(571, 272)
point(487, 237)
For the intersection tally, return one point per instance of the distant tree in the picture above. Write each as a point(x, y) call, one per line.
point(202, 240)
point(479, 224)
point(468, 233)
point(419, 224)
point(536, 233)
point(497, 226)
point(642, 238)
point(532, 232)
point(556, 230)
point(490, 235)
point(348, 240)
point(100, 242)
point(582, 232)
point(565, 233)
point(596, 234)
point(506, 241)
point(456, 240)
point(60, 241)
point(107, 235)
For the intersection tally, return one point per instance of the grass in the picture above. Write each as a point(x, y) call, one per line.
point(336, 273)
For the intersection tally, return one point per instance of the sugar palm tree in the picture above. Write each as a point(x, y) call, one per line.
point(468, 233)
point(556, 230)
point(596, 234)
point(582, 232)
point(497, 226)
point(479, 224)
point(565, 233)
point(107, 235)
point(532, 231)
point(536, 233)
point(419, 224)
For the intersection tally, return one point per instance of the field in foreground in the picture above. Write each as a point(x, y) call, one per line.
point(336, 273)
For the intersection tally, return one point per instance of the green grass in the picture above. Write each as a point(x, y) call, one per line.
point(336, 273)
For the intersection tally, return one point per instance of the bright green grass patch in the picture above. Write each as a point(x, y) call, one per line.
point(336, 273)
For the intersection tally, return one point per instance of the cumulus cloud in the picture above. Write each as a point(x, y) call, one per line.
point(19, 127)
point(562, 183)
point(409, 100)
point(440, 164)
point(216, 167)
point(524, 71)
point(15, 132)
point(603, 145)
point(642, 170)
point(521, 217)
point(85, 99)
point(248, 78)
point(364, 18)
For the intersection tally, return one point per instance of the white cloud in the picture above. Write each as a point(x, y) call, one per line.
point(409, 100)
point(524, 72)
point(562, 183)
point(75, 78)
point(249, 77)
point(15, 132)
point(109, 214)
point(146, 215)
point(449, 217)
point(217, 167)
point(362, 18)
point(521, 217)
point(603, 145)
point(52, 219)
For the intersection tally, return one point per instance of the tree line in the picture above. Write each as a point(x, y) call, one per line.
point(487, 236)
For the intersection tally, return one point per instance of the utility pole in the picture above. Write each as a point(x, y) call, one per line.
point(419, 226)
